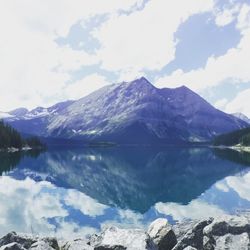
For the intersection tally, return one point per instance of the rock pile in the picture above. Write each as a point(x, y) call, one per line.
point(229, 232)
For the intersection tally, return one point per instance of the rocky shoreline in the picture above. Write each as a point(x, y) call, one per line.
point(228, 232)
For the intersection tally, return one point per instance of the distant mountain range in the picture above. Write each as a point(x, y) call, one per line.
point(129, 112)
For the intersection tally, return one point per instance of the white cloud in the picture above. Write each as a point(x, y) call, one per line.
point(244, 18)
point(24, 215)
point(220, 104)
point(145, 39)
point(240, 103)
point(195, 210)
point(34, 69)
point(126, 219)
point(222, 186)
point(72, 231)
point(85, 86)
point(226, 16)
point(232, 67)
point(47, 206)
point(26, 206)
point(240, 184)
point(129, 75)
point(84, 203)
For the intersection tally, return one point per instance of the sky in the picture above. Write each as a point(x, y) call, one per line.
point(55, 50)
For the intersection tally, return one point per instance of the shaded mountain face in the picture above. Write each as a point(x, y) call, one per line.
point(132, 112)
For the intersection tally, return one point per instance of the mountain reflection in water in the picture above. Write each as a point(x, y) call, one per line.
point(80, 190)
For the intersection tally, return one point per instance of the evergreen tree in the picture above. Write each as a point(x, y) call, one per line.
point(9, 137)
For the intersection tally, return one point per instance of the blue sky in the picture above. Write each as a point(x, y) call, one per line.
point(56, 50)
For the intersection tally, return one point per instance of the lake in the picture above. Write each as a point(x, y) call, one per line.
point(74, 192)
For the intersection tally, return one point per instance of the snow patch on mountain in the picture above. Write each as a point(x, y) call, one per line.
point(242, 117)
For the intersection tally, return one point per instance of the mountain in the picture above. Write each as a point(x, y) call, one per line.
point(131, 112)
point(25, 114)
point(238, 137)
point(242, 117)
point(19, 112)
point(35, 121)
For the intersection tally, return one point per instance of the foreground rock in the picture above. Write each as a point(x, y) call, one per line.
point(13, 241)
point(229, 232)
point(119, 239)
point(77, 244)
point(162, 234)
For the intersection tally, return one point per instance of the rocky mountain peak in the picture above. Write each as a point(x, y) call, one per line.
point(133, 112)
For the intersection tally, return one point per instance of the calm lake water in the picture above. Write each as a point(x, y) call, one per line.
point(72, 192)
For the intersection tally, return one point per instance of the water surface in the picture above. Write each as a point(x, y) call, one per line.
point(72, 192)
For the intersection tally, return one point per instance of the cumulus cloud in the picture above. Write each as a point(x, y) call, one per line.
point(34, 68)
point(71, 230)
point(24, 215)
point(26, 206)
point(220, 104)
point(195, 210)
point(240, 103)
point(40, 207)
point(135, 37)
point(244, 18)
point(222, 186)
point(85, 86)
point(240, 184)
point(145, 39)
point(84, 203)
point(231, 67)
point(126, 219)
point(226, 16)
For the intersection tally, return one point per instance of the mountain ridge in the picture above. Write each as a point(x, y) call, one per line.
point(241, 116)
point(132, 112)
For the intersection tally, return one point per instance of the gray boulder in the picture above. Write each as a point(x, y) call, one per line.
point(190, 248)
point(23, 240)
point(12, 246)
point(162, 234)
point(45, 244)
point(77, 244)
point(194, 237)
point(41, 245)
point(227, 232)
point(229, 241)
point(114, 238)
point(14, 241)
point(228, 224)
point(180, 229)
